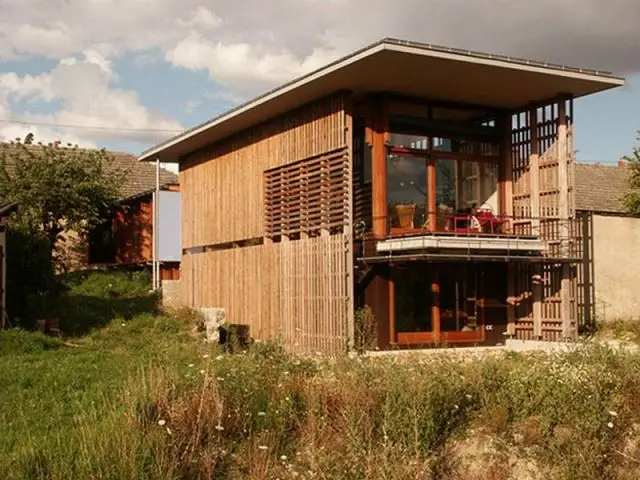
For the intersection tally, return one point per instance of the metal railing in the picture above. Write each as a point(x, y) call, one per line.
point(560, 238)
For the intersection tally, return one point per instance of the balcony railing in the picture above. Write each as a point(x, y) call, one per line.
point(473, 233)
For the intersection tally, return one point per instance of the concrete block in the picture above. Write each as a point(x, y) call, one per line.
point(172, 293)
point(214, 318)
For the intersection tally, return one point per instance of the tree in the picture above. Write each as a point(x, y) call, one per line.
point(631, 198)
point(57, 189)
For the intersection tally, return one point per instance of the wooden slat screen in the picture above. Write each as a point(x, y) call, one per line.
point(563, 234)
point(223, 185)
point(307, 197)
point(297, 292)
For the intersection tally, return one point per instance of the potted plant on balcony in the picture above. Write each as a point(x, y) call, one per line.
point(402, 214)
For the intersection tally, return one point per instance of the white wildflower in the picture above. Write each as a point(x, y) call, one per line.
point(612, 413)
point(263, 447)
point(610, 424)
point(206, 355)
point(191, 365)
point(124, 324)
point(469, 397)
point(162, 423)
point(219, 357)
point(219, 427)
point(285, 373)
point(168, 430)
point(201, 372)
point(283, 457)
point(261, 414)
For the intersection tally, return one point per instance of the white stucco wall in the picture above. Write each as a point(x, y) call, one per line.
point(617, 266)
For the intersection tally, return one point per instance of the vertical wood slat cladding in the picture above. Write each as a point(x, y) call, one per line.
point(133, 231)
point(297, 291)
point(292, 171)
point(223, 187)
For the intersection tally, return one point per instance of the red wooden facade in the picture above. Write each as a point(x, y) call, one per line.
point(126, 239)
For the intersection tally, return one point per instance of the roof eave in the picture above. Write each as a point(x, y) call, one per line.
point(606, 79)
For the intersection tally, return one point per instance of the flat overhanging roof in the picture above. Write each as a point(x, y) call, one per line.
point(406, 68)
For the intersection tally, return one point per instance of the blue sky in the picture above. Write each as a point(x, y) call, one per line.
point(139, 71)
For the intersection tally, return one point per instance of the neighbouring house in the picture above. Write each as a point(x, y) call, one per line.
point(613, 268)
point(434, 185)
point(126, 238)
point(6, 208)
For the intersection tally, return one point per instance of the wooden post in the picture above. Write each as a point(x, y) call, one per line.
point(511, 306)
point(379, 168)
point(431, 195)
point(435, 306)
point(534, 172)
point(506, 171)
point(536, 283)
point(586, 266)
point(563, 184)
point(348, 229)
point(392, 309)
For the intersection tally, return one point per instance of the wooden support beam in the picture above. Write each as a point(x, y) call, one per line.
point(348, 229)
point(379, 168)
point(431, 195)
point(511, 299)
point(537, 285)
point(392, 311)
point(435, 305)
point(506, 169)
point(564, 211)
point(587, 218)
point(534, 171)
point(563, 163)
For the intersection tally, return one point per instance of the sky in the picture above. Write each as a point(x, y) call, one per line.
point(128, 74)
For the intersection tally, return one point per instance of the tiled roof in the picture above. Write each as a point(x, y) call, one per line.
point(140, 177)
point(599, 188)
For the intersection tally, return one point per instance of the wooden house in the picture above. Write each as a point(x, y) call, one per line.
point(434, 185)
point(126, 237)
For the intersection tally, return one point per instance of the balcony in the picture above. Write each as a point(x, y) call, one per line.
point(475, 235)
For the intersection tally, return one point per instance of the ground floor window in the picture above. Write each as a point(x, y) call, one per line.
point(413, 302)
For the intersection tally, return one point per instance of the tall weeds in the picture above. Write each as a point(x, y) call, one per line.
point(265, 414)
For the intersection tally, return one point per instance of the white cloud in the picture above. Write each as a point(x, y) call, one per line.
point(88, 97)
point(242, 65)
point(248, 46)
point(192, 105)
point(258, 43)
point(203, 18)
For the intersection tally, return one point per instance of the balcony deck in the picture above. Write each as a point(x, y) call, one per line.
point(494, 243)
point(542, 241)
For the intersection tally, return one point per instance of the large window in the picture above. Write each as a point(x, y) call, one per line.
point(407, 190)
point(464, 145)
point(413, 298)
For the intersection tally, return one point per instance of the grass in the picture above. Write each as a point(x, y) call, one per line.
point(624, 330)
point(145, 398)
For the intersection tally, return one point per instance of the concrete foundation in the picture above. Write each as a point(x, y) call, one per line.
point(172, 293)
